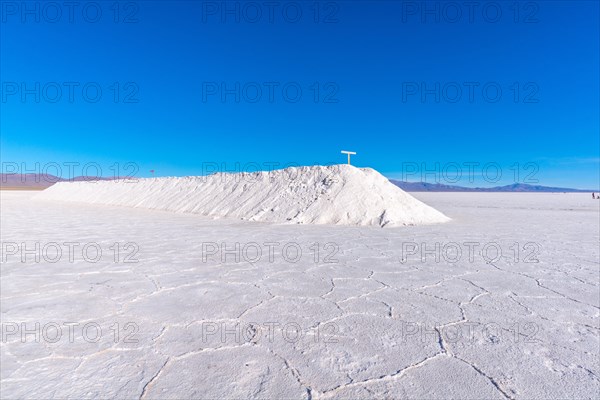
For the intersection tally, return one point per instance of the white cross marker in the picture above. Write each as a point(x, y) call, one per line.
point(348, 152)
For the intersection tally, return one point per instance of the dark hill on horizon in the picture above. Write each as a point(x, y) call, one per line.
point(515, 187)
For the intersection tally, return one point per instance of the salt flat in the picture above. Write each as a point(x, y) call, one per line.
point(183, 306)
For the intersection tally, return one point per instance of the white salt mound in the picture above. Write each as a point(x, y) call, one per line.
point(338, 194)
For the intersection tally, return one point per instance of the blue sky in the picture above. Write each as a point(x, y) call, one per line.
point(187, 87)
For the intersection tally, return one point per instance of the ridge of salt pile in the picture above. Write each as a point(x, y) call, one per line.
point(338, 194)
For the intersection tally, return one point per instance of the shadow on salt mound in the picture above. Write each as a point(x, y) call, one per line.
point(338, 194)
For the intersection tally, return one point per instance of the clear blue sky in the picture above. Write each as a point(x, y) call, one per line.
point(367, 71)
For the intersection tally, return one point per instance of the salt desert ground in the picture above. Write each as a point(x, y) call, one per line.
point(499, 299)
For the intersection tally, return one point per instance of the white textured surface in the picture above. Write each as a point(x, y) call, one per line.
point(339, 194)
point(368, 296)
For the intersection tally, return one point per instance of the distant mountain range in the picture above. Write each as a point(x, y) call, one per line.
point(38, 181)
point(42, 181)
point(515, 187)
